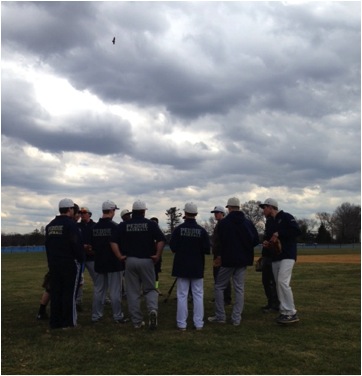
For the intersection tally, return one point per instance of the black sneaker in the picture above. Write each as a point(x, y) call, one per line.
point(152, 324)
point(288, 319)
point(279, 317)
point(268, 309)
point(123, 320)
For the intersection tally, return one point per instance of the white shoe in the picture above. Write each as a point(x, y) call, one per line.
point(215, 319)
point(140, 325)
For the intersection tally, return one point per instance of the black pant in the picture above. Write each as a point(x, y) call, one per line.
point(227, 291)
point(63, 285)
point(269, 284)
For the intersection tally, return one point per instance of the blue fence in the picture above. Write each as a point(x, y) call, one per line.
point(28, 248)
point(41, 248)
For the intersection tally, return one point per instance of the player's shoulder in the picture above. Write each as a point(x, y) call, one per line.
point(286, 215)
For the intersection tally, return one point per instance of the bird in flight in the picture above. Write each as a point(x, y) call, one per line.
point(114, 40)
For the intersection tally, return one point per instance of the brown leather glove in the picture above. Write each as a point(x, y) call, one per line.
point(217, 262)
point(276, 246)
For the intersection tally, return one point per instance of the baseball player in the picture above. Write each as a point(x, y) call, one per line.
point(65, 255)
point(134, 241)
point(236, 239)
point(107, 267)
point(189, 242)
point(286, 231)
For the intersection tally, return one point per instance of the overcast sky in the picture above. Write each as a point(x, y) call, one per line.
point(195, 101)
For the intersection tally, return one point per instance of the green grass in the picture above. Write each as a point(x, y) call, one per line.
point(327, 340)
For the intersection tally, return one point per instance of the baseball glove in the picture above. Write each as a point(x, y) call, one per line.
point(276, 246)
point(259, 264)
point(217, 262)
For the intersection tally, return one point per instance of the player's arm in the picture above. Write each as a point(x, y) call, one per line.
point(117, 252)
point(159, 249)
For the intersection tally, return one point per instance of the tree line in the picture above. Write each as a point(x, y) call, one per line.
point(341, 226)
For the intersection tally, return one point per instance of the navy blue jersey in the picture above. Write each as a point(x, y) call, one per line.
point(190, 242)
point(137, 237)
point(288, 231)
point(105, 260)
point(62, 241)
point(236, 239)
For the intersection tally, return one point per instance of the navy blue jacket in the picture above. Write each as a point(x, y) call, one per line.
point(62, 241)
point(105, 261)
point(288, 230)
point(86, 229)
point(137, 237)
point(190, 242)
point(236, 239)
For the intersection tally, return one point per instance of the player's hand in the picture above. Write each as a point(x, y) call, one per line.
point(155, 259)
point(88, 250)
point(274, 238)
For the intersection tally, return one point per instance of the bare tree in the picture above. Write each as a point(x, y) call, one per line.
point(307, 227)
point(209, 225)
point(253, 212)
point(347, 223)
point(173, 218)
point(326, 220)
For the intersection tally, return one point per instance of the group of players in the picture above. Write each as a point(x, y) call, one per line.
point(129, 254)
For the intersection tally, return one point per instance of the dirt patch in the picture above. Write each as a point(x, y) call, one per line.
point(343, 259)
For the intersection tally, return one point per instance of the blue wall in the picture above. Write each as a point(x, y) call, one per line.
point(29, 248)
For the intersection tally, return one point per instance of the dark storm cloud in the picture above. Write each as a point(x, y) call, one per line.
point(264, 96)
point(47, 28)
point(19, 171)
point(139, 69)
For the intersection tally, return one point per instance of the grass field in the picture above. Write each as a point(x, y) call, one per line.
point(327, 340)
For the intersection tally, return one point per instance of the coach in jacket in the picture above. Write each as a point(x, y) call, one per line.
point(236, 238)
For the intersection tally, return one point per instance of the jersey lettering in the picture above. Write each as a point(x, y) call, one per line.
point(191, 232)
point(134, 227)
point(55, 230)
point(102, 232)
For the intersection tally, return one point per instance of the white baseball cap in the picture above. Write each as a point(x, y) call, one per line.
point(66, 203)
point(233, 201)
point(124, 212)
point(269, 201)
point(109, 205)
point(218, 208)
point(139, 205)
point(191, 208)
